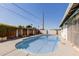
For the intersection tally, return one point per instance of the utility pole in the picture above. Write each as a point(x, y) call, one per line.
point(43, 21)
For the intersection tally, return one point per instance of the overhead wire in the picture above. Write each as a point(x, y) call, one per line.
point(15, 13)
point(26, 11)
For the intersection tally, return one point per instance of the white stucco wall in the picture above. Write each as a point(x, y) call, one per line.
point(64, 33)
point(52, 32)
point(43, 31)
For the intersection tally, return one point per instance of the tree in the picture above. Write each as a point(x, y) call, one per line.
point(28, 26)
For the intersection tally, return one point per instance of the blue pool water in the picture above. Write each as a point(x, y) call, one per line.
point(39, 44)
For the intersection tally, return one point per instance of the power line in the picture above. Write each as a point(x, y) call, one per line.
point(16, 13)
point(26, 11)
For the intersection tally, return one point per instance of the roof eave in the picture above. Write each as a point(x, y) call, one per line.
point(67, 11)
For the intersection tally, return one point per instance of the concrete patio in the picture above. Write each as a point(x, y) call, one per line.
point(8, 48)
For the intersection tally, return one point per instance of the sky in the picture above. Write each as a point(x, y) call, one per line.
point(32, 13)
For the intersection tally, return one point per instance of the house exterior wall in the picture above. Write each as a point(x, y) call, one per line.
point(71, 31)
point(64, 33)
point(74, 38)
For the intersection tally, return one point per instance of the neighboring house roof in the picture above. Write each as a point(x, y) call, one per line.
point(70, 10)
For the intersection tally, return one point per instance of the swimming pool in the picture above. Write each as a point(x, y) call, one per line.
point(41, 44)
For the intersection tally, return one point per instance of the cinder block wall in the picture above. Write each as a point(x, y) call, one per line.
point(43, 31)
point(53, 32)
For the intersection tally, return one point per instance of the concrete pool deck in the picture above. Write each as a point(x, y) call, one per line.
point(64, 48)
